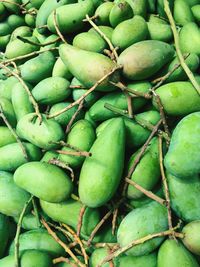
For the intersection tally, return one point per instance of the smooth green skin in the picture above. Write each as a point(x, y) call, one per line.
point(182, 12)
point(193, 2)
point(61, 70)
point(4, 40)
point(70, 17)
point(22, 31)
point(82, 136)
point(139, 7)
point(89, 100)
point(12, 7)
point(103, 11)
point(12, 197)
point(12, 155)
point(160, 7)
point(30, 258)
point(178, 98)
point(45, 181)
point(101, 166)
point(15, 21)
point(20, 100)
point(88, 118)
point(147, 171)
point(121, 11)
point(90, 42)
point(183, 156)
point(49, 155)
point(189, 38)
point(192, 236)
point(30, 20)
point(68, 212)
point(151, 8)
point(4, 233)
point(6, 136)
point(36, 69)
point(196, 12)
point(81, 65)
point(41, 37)
point(29, 221)
point(145, 58)
point(37, 3)
point(186, 208)
point(173, 253)
point(5, 28)
point(64, 118)
point(52, 37)
point(39, 239)
point(98, 255)
point(42, 135)
point(108, 31)
point(3, 12)
point(126, 33)
point(8, 111)
point(51, 90)
point(160, 32)
point(142, 261)
point(149, 219)
point(6, 87)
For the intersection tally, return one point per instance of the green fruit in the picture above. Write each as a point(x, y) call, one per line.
point(47, 182)
point(6, 87)
point(13, 7)
point(4, 233)
point(8, 111)
point(4, 40)
point(22, 31)
point(6, 137)
point(149, 260)
point(196, 12)
point(121, 11)
point(182, 12)
point(145, 58)
point(139, 7)
point(149, 219)
point(173, 253)
point(183, 156)
point(102, 12)
point(98, 255)
point(160, 31)
point(61, 70)
point(48, 156)
point(29, 221)
point(30, 19)
point(37, 3)
point(191, 236)
point(108, 31)
point(106, 151)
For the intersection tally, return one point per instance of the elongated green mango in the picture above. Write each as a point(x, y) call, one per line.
point(68, 212)
point(191, 238)
point(98, 255)
point(186, 208)
point(145, 58)
point(70, 17)
point(12, 197)
point(102, 12)
point(6, 137)
point(182, 12)
point(8, 111)
point(149, 260)
point(4, 40)
point(12, 155)
point(46, 181)
point(173, 253)
point(121, 11)
point(106, 151)
point(160, 31)
point(196, 12)
point(6, 87)
point(108, 31)
point(4, 233)
point(183, 156)
point(139, 7)
point(61, 70)
point(149, 219)
point(42, 135)
point(81, 65)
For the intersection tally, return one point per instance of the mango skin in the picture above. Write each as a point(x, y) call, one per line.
point(68, 212)
point(61, 70)
point(8, 111)
point(6, 136)
point(4, 233)
point(121, 11)
point(173, 253)
point(160, 31)
point(182, 12)
point(12, 155)
point(185, 208)
point(98, 255)
point(103, 12)
point(196, 11)
point(149, 219)
point(149, 260)
point(145, 58)
point(183, 156)
point(46, 181)
point(6, 87)
point(106, 151)
point(41, 135)
point(12, 197)
point(191, 236)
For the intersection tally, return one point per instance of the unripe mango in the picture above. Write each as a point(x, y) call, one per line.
point(4, 233)
point(191, 236)
point(6, 137)
point(121, 11)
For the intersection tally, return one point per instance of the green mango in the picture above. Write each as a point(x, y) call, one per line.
point(81, 136)
point(68, 212)
point(70, 17)
point(38, 68)
point(15, 21)
point(145, 58)
point(36, 3)
point(149, 219)
point(120, 11)
point(29, 221)
point(47, 182)
point(51, 90)
point(183, 156)
point(193, 2)
point(182, 12)
point(139, 7)
point(90, 42)
point(6, 137)
point(187, 208)
point(147, 171)
point(4, 40)
point(88, 118)
point(108, 31)
point(160, 7)
point(178, 98)
point(61, 70)
point(98, 255)
point(12, 155)
point(3, 12)
point(103, 12)
point(42, 135)
point(4, 233)
point(8, 111)
point(106, 151)
point(49, 155)
point(196, 12)
point(39, 239)
point(6, 87)
point(160, 31)
point(30, 258)
point(81, 65)
point(5, 28)
point(30, 19)
point(126, 33)
point(41, 37)
point(151, 8)
point(189, 38)
point(22, 31)
point(13, 6)
point(12, 197)
point(191, 236)
point(173, 253)
point(56, 43)
point(149, 260)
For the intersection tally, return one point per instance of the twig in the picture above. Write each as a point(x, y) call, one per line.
point(178, 50)
point(62, 259)
point(55, 22)
point(86, 93)
point(63, 165)
point(80, 106)
point(116, 110)
point(77, 87)
point(74, 153)
point(114, 220)
point(129, 104)
point(36, 213)
point(19, 224)
point(92, 18)
point(25, 40)
point(80, 219)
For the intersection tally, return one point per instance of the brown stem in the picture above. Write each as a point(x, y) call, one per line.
point(80, 220)
point(114, 220)
point(73, 118)
point(74, 153)
point(62, 259)
point(25, 40)
point(55, 22)
point(129, 104)
point(61, 164)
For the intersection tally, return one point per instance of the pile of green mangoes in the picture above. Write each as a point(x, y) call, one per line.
point(99, 133)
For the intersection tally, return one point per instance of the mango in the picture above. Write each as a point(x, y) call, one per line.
point(29, 221)
point(8, 110)
point(102, 12)
point(105, 29)
point(30, 18)
point(120, 11)
point(149, 219)
point(145, 58)
point(4, 40)
point(6, 137)
point(196, 11)
point(173, 253)
point(98, 255)
point(183, 156)
point(106, 151)
point(22, 31)
point(191, 236)
point(6, 87)
point(182, 12)
point(149, 260)
point(12, 7)
point(4, 233)
point(49, 155)
point(160, 31)
point(89, 100)
point(61, 70)
point(36, 3)
point(139, 7)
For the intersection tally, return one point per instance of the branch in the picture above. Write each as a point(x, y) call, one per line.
point(61, 164)
point(55, 22)
point(80, 106)
point(62, 259)
point(25, 40)
point(80, 220)
point(74, 153)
